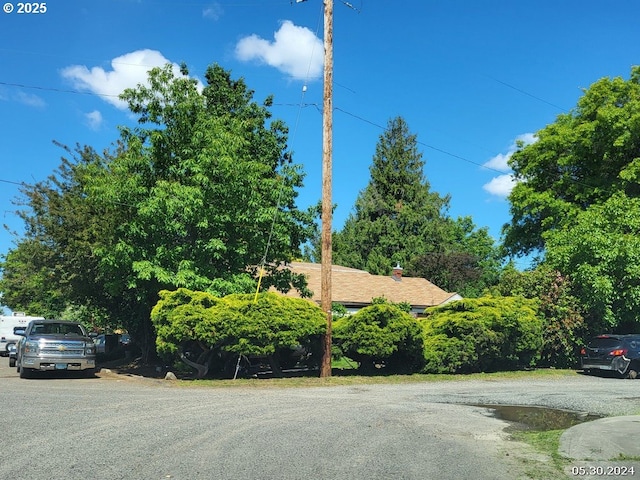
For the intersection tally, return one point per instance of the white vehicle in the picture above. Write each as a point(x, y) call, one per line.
point(7, 324)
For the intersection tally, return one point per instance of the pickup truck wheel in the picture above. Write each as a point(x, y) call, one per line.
point(25, 373)
point(12, 362)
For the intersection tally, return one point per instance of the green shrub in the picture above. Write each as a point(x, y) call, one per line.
point(271, 323)
point(204, 325)
point(381, 333)
point(179, 317)
point(482, 335)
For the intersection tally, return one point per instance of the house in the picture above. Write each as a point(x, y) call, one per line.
point(355, 288)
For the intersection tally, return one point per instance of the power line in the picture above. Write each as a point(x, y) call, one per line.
point(526, 93)
point(437, 149)
point(263, 261)
point(58, 90)
point(299, 105)
point(20, 184)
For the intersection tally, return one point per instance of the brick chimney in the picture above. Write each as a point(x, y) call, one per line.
point(397, 273)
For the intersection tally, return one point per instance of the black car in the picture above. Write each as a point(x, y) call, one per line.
point(612, 353)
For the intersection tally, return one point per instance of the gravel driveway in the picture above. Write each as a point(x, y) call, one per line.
point(119, 428)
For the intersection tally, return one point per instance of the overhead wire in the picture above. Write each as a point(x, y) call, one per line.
point(263, 261)
point(300, 105)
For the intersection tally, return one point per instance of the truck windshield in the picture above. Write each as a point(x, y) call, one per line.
point(57, 329)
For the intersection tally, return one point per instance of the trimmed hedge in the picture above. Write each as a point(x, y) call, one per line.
point(381, 333)
point(482, 335)
point(235, 323)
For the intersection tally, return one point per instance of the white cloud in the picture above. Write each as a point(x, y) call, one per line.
point(501, 185)
point(213, 11)
point(22, 97)
point(500, 161)
point(30, 99)
point(527, 138)
point(94, 120)
point(295, 51)
point(128, 71)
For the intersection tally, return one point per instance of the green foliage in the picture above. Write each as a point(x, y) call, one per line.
point(54, 265)
point(576, 201)
point(563, 324)
point(482, 335)
point(273, 322)
point(206, 174)
point(382, 332)
point(235, 323)
point(398, 219)
point(181, 316)
point(27, 282)
point(186, 199)
point(601, 249)
point(338, 310)
point(581, 160)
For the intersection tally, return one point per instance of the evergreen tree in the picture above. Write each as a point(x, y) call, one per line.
point(398, 219)
point(396, 215)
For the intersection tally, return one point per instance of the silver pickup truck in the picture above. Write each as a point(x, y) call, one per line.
point(54, 345)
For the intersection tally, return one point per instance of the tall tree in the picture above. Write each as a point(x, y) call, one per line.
point(396, 214)
point(201, 180)
point(600, 250)
point(398, 219)
point(53, 266)
point(576, 201)
point(187, 199)
point(581, 159)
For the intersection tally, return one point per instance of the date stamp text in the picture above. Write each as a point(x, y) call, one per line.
point(603, 470)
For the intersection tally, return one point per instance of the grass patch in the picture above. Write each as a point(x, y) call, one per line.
point(546, 443)
point(626, 458)
point(343, 373)
point(349, 377)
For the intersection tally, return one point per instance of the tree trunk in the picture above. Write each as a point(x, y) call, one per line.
point(275, 366)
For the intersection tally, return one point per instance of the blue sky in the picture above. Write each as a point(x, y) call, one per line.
point(469, 77)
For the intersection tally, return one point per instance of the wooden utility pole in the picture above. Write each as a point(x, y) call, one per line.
point(327, 203)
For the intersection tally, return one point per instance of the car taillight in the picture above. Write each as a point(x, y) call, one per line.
point(583, 351)
point(619, 352)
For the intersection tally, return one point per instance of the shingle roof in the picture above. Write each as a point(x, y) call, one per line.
point(351, 286)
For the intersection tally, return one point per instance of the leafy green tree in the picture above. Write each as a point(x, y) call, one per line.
point(54, 267)
point(580, 160)
point(601, 249)
point(380, 333)
point(187, 321)
point(205, 179)
point(187, 199)
point(482, 335)
point(576, 199)
point(468, 263)
point(398, 219)
point(564, 327)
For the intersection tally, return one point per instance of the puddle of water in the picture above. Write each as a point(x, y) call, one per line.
point(539, 418)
